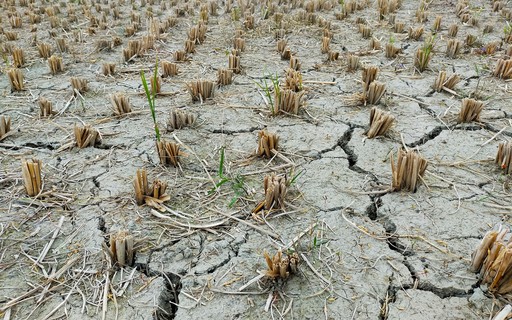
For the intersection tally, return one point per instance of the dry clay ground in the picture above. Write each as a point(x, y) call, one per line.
point(364, 254)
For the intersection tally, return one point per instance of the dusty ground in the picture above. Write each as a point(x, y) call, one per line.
point(365, 254)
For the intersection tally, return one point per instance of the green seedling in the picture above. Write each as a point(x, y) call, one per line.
point(237, 183)
point(294, 177)
point(151, 97)
point(267, 89)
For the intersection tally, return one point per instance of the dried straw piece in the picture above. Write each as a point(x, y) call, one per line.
point(190, 46)
point(156, 84)
point(31, 172)
point(493, 258)
point(504, 156)
point(352, 62)
point(374, 44)
point(275, 191)
point(55, 64)
point(470, 110)
point(392, 51)
point(470, 40)
point(280, 266)
point(15, 79)
point(108, 69)
point(415, 34)
point(267, 143)
point(79, 85)
point(169, 69)
point(281, 45)
point(103, 45)
point(86, 136)
point(122, 251)
point(179, 119)
point(293, 80)
point(18, 58)
point(380, 122)
point(120, 103)
point(201, 90)
point(61, 45)
point(422, 58)
point(325, 44)
point(453, 48)
point(286, 54)
point(368, 75)
point(442, 82)
point(234, 63)
point(45, 108)
point(168, 152)
point(436, 27)
point(332, 55)
point(409, 168)
point(5, 127)
point(224, 76)
point(11, 35)
point(399, 27)
point(503, 69)
point(239, 44)
point(373, 92)
point(453, 30)
point(295, 63)
point(365, 31)
point(287, 101)
point(44, 50)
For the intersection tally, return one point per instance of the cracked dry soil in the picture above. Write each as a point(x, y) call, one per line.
point(366, 254)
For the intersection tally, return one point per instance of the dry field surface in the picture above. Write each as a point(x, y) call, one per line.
point(278, 159)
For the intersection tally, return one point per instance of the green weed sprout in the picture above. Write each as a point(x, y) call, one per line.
point(237, 183)
point(151, 97)
point(267, 89)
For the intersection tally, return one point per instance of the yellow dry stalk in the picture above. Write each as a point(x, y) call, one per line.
point(31, 173)
point(380, 122)
point(267, 142)
point(122, 249)
point(410, 167)
point(280, 266)
point(179, 119)
point(120, 103)
point(504, 156)
point(168, 152)
point(86, 136)
point(470, 110)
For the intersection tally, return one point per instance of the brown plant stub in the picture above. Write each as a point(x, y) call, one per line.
point(380, 122)
point(121, 250)
point(15, 79)
point(179, 119)
point(31, 172)
point(120, 104)
point(108, 69)
point(287, 101)
point(55, 64)
point(86, 136)
point(169, 69)
point(152, 196)
point(79, 85)
point(275, 191)
point(201, 90)
point(493, 260)
point(45, 108)
point(504, 156)
point(224, 76)
point(168, 152)
point(281, 266)
point(5, 127)
point(503, 69)
point(470, 110)
point(409, 168)
point(441, 82)
point(267, 142)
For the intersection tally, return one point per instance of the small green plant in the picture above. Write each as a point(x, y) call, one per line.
point(391, 39)
point(507, 29)
point(265, 86)
point(151, 96)
point(235, 14)
point(237, 183)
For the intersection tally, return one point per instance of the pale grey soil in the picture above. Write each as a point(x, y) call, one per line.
point(372, 255)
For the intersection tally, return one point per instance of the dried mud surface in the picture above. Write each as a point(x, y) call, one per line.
point(365, 254)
